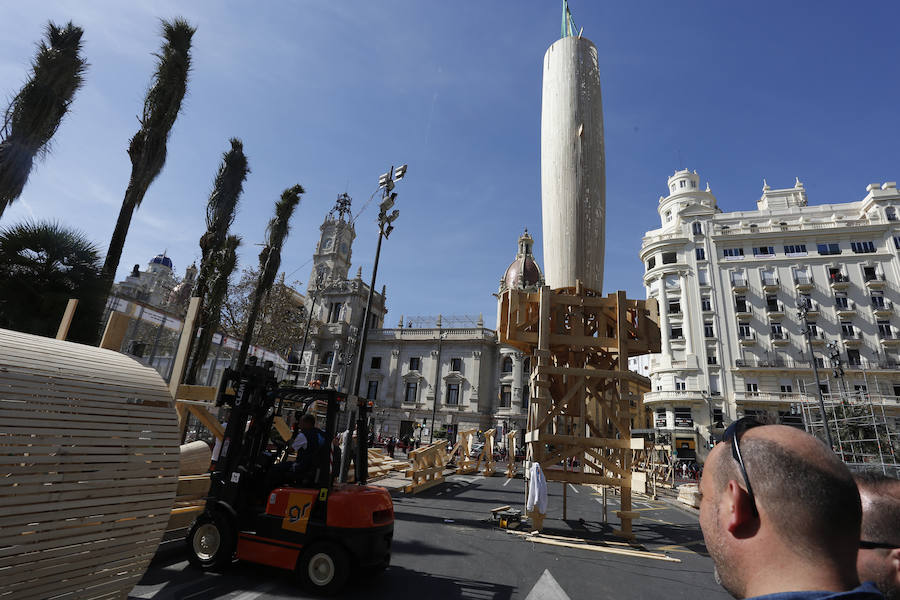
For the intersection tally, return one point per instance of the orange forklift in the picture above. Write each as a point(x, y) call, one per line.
point(320, 530)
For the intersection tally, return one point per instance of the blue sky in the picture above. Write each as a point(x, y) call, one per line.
point(330, 94)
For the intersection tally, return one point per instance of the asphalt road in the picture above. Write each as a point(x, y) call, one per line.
point(445, 547)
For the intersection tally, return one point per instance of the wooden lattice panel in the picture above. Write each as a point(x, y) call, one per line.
point(89, 454)
point(584, 396)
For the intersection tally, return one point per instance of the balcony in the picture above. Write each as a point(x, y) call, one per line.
point(817, 338)
point(848, 309)
point(804, 283)
point(838, 281)
point(888, 338)
point(739, 285)
point(775, 309)
point(771, 363)
point(770, 398)
point(743, 310)
point(874, 282)
point(885, 309)
point(673, 396)
point(780, 338)
point(748, 338)
point(812, 308)
point(851, 338)
point(770, 284)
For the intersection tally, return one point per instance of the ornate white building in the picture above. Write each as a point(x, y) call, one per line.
point(157, 286)
point(729, 284)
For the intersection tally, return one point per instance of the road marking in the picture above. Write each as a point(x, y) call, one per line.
point(506, 483)
point(264, 590)
point(574, 489)
point(547, 588)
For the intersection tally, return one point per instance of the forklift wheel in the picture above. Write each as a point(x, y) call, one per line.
point(324, 568)
point(211, 542)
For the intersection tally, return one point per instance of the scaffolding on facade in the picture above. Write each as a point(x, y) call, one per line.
point(864, 435)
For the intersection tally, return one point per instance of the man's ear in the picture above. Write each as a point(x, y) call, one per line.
point(894, 561)
point(739, 509)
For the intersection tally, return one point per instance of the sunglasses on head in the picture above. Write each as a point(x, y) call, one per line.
point(874, 545)
point(733, 436)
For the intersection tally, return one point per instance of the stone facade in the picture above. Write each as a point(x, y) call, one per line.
point(729, 285)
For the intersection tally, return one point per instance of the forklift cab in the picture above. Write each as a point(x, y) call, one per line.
point(322, 531)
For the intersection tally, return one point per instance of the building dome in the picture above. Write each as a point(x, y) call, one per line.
point(162, 259)
point(524, 271)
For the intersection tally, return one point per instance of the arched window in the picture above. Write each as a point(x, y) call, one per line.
point(507, 365)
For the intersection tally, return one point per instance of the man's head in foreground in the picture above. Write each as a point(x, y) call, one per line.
point(879, 550)
point(795, 525)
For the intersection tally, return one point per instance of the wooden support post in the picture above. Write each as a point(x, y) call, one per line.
point(565, 504)
point(63, 331)
point(115, 330)
point(183, 346)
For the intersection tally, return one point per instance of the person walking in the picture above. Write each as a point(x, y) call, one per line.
point(390, 447)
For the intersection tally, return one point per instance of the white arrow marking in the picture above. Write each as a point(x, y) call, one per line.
point(547, 588)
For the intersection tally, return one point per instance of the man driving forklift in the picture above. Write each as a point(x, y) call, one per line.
point(309, 443)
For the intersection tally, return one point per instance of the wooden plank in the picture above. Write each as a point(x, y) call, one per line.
point(66, 322)
point(588, 442)
point(575, 477)
point(594, 548)
point(115, 331)
point(184, 343)
point(201, 393)
point(209, 421)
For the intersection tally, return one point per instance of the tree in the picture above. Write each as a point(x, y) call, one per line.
point(36, 112)
point(224, 261)
point(282, 318)
point(270, 257)
point(220, 208)
point(42, 265)
point(147, 149)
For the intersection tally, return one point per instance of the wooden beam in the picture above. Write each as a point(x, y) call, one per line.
point(184, 345)
point(208, 420)
point(63, 331)
point(587, 442)
point(596, 548)
point(115, 331)
point(202, 393)
point(574, 477)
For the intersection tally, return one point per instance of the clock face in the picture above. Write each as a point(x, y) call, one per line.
point(343, 248)
point(328, 243)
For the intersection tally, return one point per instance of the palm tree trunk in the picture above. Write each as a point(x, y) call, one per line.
point(251, 325)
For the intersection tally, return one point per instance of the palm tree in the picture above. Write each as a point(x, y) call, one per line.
point(42, 265)
point(35, 113)
point(147, 149)
point(270, 258)
point(224, 261)
point(220, 208)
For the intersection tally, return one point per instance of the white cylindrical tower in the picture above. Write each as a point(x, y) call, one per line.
point(573, 167)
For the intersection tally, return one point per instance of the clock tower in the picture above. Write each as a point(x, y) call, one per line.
point(332, 256)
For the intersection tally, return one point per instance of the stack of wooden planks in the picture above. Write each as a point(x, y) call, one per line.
point(380, 465)
point(88, 468)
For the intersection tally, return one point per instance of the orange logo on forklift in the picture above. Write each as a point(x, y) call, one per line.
point(296, 515)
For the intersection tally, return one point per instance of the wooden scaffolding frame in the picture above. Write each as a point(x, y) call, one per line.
point(583, 395)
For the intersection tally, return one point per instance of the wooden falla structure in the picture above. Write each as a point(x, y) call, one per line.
point(583, 395)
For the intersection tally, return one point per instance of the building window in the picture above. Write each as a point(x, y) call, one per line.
point(862, 247)
point(507, 365)
point(334, 312)
point(415, 363)
point(674, 307)
point(376, 362)
point(820, 363)
point(711, 359)
point(372, 392)
point(651, 262)
point(813, 330)
point(828, 249)
point(769, 279)
point(777, 331)
point(795, 249)
point(705, 303)
point(697, 227)
point(708, 329)
point(772, 302)
point(752, 389)
point(884, 329)
point(805, 301)
point(787, 389)
point(683, 417)
point(847, 329)
point(853, 358)
point(841, 301)
point(668, 216)
point(703, 277)
point(412, 390)
point(681, 183)
point(744, 331)
point(677, 333)
point(733, 253)
point(891, 213)
point(456, 364)
point(897, 242)
point(328, 358)
point(453, 393)
point(740, 304)
point(738, 279)
point(505, 396)
point(836, 276)
point(870, 274)
point(680, 384)
point(669, 258)
point(877, 299)
point(763, 251)
point(701, 253)
point(661, 417)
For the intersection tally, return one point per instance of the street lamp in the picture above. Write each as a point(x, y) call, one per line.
point(385, 227)
point(437, 385)
point(802, 312)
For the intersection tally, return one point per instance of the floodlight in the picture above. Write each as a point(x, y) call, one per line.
point(399, 172)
